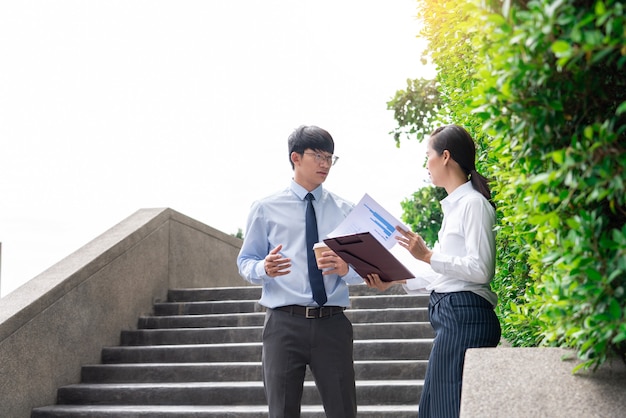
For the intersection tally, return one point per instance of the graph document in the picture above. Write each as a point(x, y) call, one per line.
point(369, 216)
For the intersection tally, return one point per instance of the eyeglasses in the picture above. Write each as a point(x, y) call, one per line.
point(330, 159)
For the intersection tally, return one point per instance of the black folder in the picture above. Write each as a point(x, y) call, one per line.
point(367, 255)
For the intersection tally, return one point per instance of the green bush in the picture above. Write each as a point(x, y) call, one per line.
point(542, 88)
point(423, 212)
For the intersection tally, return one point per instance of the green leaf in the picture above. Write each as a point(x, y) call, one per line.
point(593, 274)
point(561, 48)
point(558, 156)
point(615, 310)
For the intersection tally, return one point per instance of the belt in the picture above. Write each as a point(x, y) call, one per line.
point(311, 312)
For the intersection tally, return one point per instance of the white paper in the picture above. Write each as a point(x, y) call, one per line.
point(369, 216)
point(422, 272)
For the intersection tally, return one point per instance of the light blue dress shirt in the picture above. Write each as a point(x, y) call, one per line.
point(280, 219)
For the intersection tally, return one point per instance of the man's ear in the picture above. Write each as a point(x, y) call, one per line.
point(295, 157)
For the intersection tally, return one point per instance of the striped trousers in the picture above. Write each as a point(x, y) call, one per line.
point(461, 320)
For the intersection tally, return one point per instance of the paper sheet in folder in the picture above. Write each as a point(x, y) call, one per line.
point(366, 255)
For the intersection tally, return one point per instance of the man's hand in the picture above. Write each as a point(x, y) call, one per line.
point(331, 263)
point(275, 264)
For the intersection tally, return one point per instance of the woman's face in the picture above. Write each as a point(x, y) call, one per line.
point(434, 165)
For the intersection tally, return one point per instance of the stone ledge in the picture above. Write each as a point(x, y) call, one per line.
point(538, 382)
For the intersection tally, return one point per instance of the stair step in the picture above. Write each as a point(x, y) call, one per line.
point(257, 318)
point(235, 371)
point(203, 308)
point(372, 316)
point(252, 305)
point(395, 349)
point(394, 392)
point(254, 292)
point(208, 411)
point(393, 330)
point(202, 321)
point(199, 355)
point(250, 334)
point(385, 301)
point(191, 336)
point(220, 293)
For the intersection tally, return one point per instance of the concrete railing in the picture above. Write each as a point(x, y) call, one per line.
point(62, 318)
point(538, 382)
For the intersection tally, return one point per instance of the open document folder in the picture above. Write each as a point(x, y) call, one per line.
point(366, 255)
point(364, 240)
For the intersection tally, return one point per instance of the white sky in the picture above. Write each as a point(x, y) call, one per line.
point(110, 106)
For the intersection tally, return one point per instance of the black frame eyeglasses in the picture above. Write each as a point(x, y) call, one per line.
point(319, 158)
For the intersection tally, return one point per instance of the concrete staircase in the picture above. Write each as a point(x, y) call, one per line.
point(199, 355)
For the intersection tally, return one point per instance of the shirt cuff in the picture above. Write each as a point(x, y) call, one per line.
point(437, 262)
point(352, 277)
point(259, 272)
point(415, 286)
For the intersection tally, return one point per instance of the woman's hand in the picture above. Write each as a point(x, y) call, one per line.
point(415, 244)
point(373, 281)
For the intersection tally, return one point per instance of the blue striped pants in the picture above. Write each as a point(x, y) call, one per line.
point(461, 320)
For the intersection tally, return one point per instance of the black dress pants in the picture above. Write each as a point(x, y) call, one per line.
point(290, 343)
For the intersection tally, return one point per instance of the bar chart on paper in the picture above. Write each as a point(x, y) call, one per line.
point(369, 216)
point(384, 226)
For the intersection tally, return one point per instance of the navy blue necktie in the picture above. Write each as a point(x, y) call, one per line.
point(315, 274)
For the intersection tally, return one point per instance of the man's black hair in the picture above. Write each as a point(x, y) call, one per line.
point(310, 137)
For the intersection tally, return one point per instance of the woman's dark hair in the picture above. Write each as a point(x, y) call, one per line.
point(462, 148)
point(310, 137)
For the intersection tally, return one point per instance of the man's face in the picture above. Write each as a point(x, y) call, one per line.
point(311, 167)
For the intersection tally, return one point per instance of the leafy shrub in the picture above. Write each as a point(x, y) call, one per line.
point(423, 212)
point(542, 88)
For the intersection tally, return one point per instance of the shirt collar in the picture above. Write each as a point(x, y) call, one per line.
point(301, 192)
point(458, 193)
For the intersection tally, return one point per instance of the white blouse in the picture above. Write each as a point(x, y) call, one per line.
point(464, 257)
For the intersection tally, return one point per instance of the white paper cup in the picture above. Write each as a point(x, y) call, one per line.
point(319, 248)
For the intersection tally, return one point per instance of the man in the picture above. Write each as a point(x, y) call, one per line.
point(277, 254)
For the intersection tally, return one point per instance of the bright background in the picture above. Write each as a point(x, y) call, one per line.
point(110, 106)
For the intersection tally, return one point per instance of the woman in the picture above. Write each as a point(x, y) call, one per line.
point(462, 265)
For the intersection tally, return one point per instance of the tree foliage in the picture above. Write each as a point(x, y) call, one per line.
point(541, 86)
point(416, 109)
point(423, 212)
